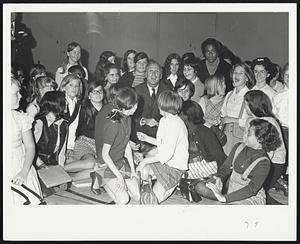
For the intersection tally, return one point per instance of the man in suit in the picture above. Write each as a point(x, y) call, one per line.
point(147, 115)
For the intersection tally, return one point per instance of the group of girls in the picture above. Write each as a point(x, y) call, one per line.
point(84, 124)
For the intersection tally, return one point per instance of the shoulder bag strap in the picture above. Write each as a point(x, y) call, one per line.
point(237, 152)
point(22, 194)
point(251, 166)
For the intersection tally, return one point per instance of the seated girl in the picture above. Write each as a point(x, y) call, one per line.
point(112, 131)
point(23, 147)
point(50, 130)
point(85, 148)
point(169, 160)
point(203, 144)
point(71, 85)
point(247, 166)
point(212, 102)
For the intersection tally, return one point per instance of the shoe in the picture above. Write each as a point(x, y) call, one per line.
point(94, 175)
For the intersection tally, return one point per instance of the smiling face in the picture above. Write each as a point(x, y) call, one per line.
point(74, 55)
point(184, 92)
point(210, 53)
point(260, 73)
point(141, 65)
point(113, 76)
point(15, 96)
point(239, 77)
point(96, 95)
point(174, 66)
point(72, 88)
point(153, 75)
point(130, 61)
point(189, 72)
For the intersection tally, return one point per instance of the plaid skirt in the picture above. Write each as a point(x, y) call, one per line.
point(166, 175)
point(123, 167)
point(84, 145)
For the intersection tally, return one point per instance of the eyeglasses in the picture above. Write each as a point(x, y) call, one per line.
point(99, 92)
point(260, 71)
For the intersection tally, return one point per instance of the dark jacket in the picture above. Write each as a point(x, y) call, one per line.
point(223, 69)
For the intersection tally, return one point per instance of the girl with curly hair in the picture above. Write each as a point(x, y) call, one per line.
point(247, 166)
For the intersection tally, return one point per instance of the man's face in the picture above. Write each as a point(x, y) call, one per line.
point(153, 75)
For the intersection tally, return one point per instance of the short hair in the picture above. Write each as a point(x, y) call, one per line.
point(192, 112)
point(39, 84)
point(153, 62)
point(124, 61)
point(212, 83)
point(266, 134)
point(141, 55)
point(167, 64)
point(169, 102)
point(184, 82)
point(248, 72)
point(126, 98)
point(194, 63)
point(259, 103)
point(67, 79)
point(53, 101)
point(37, 69)
point(213, 42)
point(78, 70)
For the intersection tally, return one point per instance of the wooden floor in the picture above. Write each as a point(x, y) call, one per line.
point(67, 198)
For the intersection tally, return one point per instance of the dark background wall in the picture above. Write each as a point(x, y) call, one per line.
point(248, 35)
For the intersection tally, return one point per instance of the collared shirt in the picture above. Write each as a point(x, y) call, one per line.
point(73, 126)
point(172, 142)
point(233, 102)
point(151, 91)
point(173, 79)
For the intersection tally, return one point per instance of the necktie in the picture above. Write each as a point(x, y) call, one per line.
point(153, 94)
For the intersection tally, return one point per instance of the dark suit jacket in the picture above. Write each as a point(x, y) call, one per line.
point(168, 83)
point(223, 69)
point(126, 79)
point(147, 108)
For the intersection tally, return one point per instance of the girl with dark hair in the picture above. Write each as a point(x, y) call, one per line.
point(258, 105)
point(128, 63)
point(191, 72)
point(203, 144)
point(51, 130)
point(71, 85)
point(105, 58)
point(22, 146)
point(42, 85)
point(172, 70)
point(247, 166)
point(72, 57)
point(85, 149)
point(132, 79)
point(112, 75)
point(169, 160)
point(233, 106)
point(262, 69)
point(112, 132)
point(184, 88)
